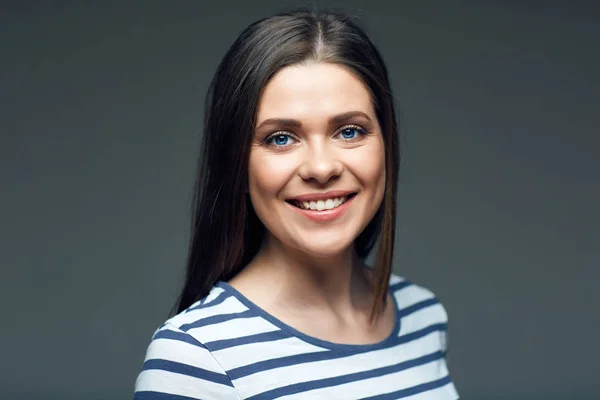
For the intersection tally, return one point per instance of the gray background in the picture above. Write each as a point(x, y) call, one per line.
point(101, 117)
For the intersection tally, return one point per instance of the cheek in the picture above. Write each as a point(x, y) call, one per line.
point(267, 175)
point(369, 167)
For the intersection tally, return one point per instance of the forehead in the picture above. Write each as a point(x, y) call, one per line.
point(310, 91)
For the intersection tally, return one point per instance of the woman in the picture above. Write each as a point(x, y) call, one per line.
point(297, 184)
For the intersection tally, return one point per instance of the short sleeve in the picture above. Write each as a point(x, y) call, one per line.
point(178, 367)
point(443, 313)
point(444, 341)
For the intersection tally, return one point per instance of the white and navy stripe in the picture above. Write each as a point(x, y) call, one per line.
point(225, 347)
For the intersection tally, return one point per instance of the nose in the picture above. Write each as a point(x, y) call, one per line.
point(320, 163)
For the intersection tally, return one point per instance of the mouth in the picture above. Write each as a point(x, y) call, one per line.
point(321, 204)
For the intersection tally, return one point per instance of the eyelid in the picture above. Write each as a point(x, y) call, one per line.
point(278, 133)
point(359, 128)
point(266, 141)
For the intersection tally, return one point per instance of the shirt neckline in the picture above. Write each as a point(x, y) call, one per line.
point(391, 339)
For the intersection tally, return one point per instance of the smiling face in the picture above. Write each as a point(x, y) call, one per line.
point(316, 169)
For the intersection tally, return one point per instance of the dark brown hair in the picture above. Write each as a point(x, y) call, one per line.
point(226, 233)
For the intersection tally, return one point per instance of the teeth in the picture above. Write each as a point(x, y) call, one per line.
point(321, 205)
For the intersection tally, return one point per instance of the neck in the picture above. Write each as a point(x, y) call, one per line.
point(336, 282)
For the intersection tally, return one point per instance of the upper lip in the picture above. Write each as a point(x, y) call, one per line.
point(322, 196)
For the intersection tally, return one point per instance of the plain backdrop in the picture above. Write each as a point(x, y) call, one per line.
point(101, 115)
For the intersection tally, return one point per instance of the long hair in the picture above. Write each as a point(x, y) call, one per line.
point(226, 233)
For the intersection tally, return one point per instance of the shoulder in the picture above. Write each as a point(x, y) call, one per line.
point(417, 306)
point(222, 315)
point(217, 303)
point(421, 315)
point(178, 363)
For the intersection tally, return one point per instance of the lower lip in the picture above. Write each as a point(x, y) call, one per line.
point(325, 215)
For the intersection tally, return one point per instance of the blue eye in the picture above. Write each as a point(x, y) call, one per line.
point(279, 140)
point(351, 132)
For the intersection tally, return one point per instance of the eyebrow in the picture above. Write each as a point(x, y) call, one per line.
point(294, 123)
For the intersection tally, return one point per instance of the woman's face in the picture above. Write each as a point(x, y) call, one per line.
point(316, 167)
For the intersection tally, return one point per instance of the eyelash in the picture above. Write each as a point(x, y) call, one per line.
point(268, 140)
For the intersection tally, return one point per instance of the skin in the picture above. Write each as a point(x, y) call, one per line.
point(307, 270)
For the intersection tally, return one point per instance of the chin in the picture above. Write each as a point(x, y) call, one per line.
point(324, 249)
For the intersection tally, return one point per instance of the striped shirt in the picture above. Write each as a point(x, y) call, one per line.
point(225, 347)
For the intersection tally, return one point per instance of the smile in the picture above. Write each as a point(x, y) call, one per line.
point(320, 205)
point(323, 207)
